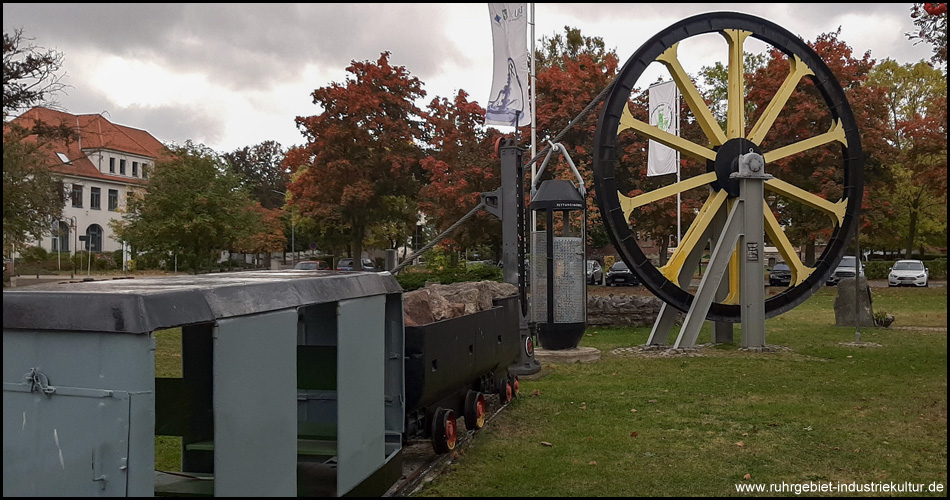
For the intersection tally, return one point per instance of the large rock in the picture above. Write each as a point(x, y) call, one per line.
point(436, 302)
point(845, 303)
point(622, 310)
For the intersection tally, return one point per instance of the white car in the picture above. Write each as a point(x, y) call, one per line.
point(908, 272)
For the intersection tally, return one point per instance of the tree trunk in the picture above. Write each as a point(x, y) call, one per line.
point(810, 251)
point(911, 234)
point(356, 244)
point(663, 246)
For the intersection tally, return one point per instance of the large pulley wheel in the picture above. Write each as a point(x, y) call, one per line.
point(626, 197)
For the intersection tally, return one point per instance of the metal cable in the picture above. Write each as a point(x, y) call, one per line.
point(570, 125)
point(438, 238)
point(557, 138)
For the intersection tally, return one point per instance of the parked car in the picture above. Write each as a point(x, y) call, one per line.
point(846, 269)
point(595, 273)
point(347, 265)
point(312, 265)
point(619, 274)
point(908, 273)
point(780, 275)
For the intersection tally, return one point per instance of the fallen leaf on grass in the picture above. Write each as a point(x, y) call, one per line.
point(592, 462)
point(545, 443)
point(634, 434)
point(651, 401)
point(633, 410)
point(740, 444)
point(747, 477)
point(536, 393)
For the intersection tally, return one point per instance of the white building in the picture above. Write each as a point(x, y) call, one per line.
point(98, 170)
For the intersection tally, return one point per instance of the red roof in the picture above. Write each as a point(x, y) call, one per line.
point(95, 132)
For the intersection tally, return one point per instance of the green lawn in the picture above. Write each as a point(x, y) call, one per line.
point(817, 412)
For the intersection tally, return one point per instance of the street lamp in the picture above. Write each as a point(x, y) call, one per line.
point(293, 246)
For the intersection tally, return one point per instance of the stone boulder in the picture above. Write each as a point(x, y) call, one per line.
point(845, 303)
point(622, 310)
point(436, 302)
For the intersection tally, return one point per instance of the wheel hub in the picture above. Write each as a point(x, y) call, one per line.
point(727, 163)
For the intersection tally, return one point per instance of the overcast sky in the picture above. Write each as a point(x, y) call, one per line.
point(234, 75)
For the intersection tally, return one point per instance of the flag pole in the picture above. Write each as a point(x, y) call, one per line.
point(534, 113)
point(679, 201)
point(532, 87)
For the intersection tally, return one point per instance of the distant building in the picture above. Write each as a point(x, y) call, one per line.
point(98, 170)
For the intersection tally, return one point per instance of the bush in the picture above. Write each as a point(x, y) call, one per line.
point(33, 255)
point(878, 269)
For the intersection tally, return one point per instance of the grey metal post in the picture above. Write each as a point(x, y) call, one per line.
point(745, 225)
point(722, 332)
point(752, 269)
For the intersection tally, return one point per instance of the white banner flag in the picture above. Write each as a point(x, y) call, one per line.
point(664, 114)
point(509, 86)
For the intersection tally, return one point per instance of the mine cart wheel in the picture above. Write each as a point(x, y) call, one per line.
point(830, 205)
point(475, 410)
point(444, 433)
point(515, 386)
point(505, 390)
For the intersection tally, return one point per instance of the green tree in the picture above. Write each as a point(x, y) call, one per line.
point(192, 206)
point(33, 195)
point(261, 168)
point(359, 151)
point(30, 74)
point(914, 190)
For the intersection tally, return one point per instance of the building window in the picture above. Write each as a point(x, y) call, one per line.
point(94, 238)
point(64, 158)
point(61, 238)
point(94, 199)
point(76, 196)
point(111, 165)
point(113, 200)
point(121, 167)
point(135, 169)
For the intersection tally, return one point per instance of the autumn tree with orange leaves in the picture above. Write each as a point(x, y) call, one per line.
point(363, 148)
point(572, 70)
point(460, 165)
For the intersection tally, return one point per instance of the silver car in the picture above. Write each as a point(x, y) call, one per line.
point(908, 273)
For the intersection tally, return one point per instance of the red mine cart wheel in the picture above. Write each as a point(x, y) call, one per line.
point(444, 433)
point(505, 390)
point(475, 410)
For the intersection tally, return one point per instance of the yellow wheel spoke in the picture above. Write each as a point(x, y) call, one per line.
point(835, 134)
point(628, 204)
point(834, 210)
point(797, 71)
point(692, 97)
point(733, 297)
point(735, 115)
point(773, 229)
point(665, 138)
point(694, 235)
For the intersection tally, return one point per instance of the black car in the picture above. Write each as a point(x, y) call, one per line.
point(619, 275)
point(780, 275)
